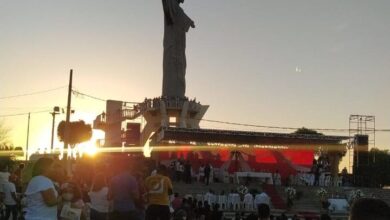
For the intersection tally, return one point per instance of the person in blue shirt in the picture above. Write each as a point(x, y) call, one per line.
point(123, 191)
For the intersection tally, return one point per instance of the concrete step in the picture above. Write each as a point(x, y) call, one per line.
point(201, 188)
point(310, 200)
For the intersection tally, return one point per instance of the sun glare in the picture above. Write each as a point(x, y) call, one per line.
point(147, 150)
point(90, 147)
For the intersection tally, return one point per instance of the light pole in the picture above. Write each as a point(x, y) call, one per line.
point(56, 111)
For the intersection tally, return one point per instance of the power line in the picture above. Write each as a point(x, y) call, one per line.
point(32, 93)
point(26, 113)
point(274, 127)
point(383, 130)
point(78, 93)
point(28, 107)
point(286, 128)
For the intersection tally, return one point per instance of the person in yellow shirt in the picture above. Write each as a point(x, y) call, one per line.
point(158, 189)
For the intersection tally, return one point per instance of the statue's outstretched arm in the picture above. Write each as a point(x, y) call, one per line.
point(178, 15)
point(185, 21)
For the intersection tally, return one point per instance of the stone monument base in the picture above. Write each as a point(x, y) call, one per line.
point(170, 112)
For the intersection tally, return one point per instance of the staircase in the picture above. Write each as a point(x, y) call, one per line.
point(200, 188)
point(309, 201)
point(383, 194)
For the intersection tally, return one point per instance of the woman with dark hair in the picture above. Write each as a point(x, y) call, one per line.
point(41, 195)
point(99, 198)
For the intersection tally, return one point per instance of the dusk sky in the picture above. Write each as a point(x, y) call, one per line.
point(281, 63)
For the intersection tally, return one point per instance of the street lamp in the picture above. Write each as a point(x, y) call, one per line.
point(56, 111)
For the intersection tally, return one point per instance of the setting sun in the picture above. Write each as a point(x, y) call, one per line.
point(90, 147)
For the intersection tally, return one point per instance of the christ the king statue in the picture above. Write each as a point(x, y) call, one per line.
point(176, 24)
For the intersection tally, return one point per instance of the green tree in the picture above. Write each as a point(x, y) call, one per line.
point(377, 172)
point(78, 132)
point(6, 162)
point(304, 130)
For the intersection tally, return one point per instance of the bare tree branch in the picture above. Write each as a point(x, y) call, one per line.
point(4, 134)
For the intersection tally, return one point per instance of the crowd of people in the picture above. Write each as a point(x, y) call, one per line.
point(118, 191)
point(170, 102)
point(320, 167)
point(123, 190)
point(319, 175)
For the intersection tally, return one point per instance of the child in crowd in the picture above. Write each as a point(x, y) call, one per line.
point(72, 203)
point(176, 202)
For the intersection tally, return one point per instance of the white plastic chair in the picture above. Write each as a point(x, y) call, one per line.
point(327, 180)
point(212, 199)
point(230, 201)
point(322, 180)
point(236, 201)
point(248, 202)
point(199, 198)
point(223, 202)
point(339, 181)
point(311, 179)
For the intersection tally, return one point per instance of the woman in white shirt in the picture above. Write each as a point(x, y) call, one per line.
point(41, 195)
point(99, 200)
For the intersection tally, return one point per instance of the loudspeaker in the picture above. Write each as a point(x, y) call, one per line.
point(361, 140)
point(360, 153)
point(133, 134)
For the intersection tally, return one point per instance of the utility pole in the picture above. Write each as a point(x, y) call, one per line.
point(28, 134)
point(68, 111)
point(56, 111)
point(68, 107)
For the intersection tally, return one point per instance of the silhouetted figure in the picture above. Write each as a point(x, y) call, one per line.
point(207, 171)
point(187, 172)
point(316, 175)
point(263, 211)
point(206, 211)
point(367, 209)
point(325, 217)
point(216, 213)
